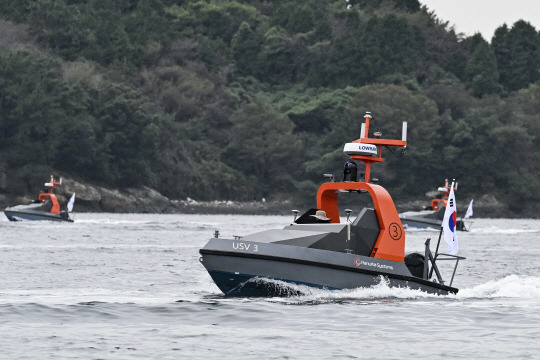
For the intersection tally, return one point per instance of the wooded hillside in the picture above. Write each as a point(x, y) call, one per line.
point(241, 100)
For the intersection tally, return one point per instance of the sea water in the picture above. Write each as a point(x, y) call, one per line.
point(124, 286)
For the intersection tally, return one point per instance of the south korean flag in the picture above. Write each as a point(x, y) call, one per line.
point(449, 223)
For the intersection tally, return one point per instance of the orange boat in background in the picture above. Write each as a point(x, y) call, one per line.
point(431, 217)
point(46, 207)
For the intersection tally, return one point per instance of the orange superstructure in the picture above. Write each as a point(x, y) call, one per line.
point(390, 244)
point(436, 204)
point(49, 195)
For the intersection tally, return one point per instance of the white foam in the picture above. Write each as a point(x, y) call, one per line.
point(382, 290)
point(417, 213)
point(512, 286)
point(410, 229)
point(503, 231)
point(109, 221)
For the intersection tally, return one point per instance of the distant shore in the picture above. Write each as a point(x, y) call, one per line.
point(271, 208)
point(146, 200)
point(285, 208)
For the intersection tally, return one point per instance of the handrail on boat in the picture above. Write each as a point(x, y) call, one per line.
point(433, 259)
point(451, 257)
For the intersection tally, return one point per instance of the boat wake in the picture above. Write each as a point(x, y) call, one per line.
point(295, 293)
point(512, 286)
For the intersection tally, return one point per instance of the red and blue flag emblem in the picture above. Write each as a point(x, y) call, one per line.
point(452, 220)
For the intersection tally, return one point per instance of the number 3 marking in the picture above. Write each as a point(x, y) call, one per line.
point(395, 231)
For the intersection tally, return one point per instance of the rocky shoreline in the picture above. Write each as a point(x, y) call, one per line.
point(487, 206)
point(146, 200)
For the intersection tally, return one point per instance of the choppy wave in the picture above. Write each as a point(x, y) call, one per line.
point(81, 295)
point(109, 282)
point(512, 286)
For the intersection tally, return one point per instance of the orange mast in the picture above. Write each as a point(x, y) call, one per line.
point(390, 244)
point(364, 138)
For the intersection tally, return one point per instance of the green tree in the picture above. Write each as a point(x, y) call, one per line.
point(280, 58)
point(30, 103)
point(61, 26)
point(481, 71)
point(501, 49)
point(410, 5)
point(385, 46)
point(245, 49)
point(213, 19)
point(302, 18)
point(263, 145)
point(518, 52)
point(122, 116)
point(15, 10)
point(345, 59)
point(76, 148)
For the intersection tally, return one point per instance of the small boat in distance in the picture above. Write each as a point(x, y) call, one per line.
point(46, 207)
point(317, 250)
point(431, 217)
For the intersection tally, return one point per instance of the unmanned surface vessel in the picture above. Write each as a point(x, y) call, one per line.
point(431, 217)
point(318, 250)
point(46, 207)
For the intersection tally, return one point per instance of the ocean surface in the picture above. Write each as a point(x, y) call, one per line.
point(130, 286)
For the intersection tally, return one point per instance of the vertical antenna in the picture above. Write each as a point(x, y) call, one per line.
point(404, 131)
point(363, 130)
point(348, 250)
point(366, 130)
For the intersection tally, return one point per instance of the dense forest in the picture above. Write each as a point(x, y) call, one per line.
point(245, 99)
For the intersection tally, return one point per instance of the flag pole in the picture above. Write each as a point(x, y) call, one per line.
point(436, 252)
point(440, 233)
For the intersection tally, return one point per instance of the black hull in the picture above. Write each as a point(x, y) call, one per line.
point(245, 273)
point(14, 215)
point(252, 285)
